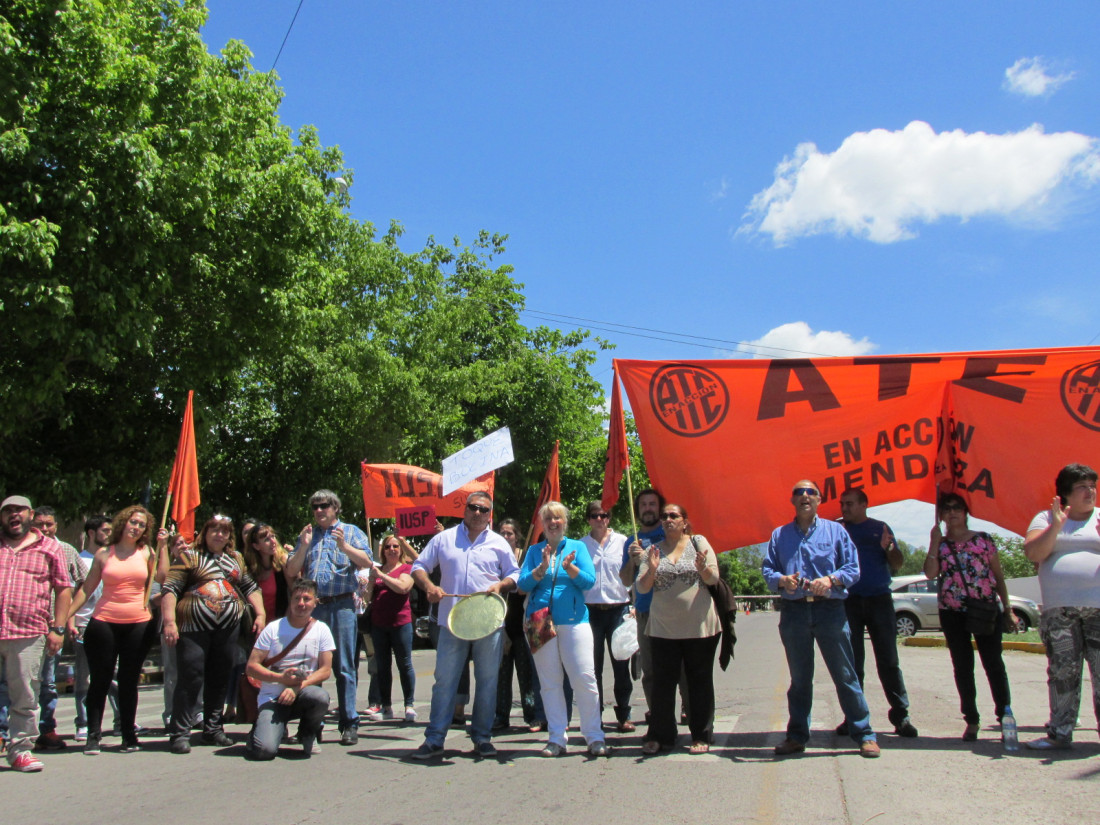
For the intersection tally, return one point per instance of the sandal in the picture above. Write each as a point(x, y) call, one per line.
point(651, 748)
point(699, 747)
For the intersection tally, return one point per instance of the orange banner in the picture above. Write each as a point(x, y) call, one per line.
point(389, 486)
point(728, 439)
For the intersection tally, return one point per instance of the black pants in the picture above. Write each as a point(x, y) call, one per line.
point(876, 615)
point(204, 659)
point(957, 636)
point(696, 657)
point(108, 643)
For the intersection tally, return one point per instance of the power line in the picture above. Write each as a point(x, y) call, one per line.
point(285, 36)
point(625, 329)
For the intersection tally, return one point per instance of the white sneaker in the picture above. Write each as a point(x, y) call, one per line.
point(410, 713)
point(387, 712)
point(81, 735)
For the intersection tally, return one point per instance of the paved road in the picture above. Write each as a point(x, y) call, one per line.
point(933, 779)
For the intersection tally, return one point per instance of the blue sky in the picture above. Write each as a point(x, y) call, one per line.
point(802, 178)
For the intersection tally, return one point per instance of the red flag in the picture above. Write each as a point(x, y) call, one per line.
point(618, 456)
point(550, 491)
point(183, 486)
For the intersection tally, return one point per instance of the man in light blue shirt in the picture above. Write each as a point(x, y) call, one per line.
point(329, 552)
point(471, 559)
point(811, 562)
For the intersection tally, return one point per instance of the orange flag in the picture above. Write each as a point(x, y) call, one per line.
point(549, 491)
point(618, 456)
point(727, 439)
point(183, 486)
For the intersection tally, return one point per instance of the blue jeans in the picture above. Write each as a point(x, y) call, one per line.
point(825, 621)
point(394, 643)
point(450, 662)
point(344, 624)
point(876, 614)
point(309, 707)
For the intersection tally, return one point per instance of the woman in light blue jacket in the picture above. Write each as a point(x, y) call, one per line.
point(556, 572)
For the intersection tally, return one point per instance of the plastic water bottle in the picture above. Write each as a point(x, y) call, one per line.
point(1009, 735)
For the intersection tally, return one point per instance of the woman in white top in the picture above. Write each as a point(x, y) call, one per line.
point(1065, 542)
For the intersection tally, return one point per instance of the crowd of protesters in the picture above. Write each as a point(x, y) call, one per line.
point(251, 630)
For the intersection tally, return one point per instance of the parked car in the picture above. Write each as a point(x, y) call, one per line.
point(915, 606)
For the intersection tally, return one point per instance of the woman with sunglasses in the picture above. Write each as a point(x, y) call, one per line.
point(121, 629)
point(683, 630)
point(968, 567)
point(557, 572)
point(391, 624)
point(1065, 542)
point(202, 606)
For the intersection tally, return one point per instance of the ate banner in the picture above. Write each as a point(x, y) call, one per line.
point(389, 486)
point(728, 439)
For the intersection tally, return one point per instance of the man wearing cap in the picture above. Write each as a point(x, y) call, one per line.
point(329, 552)
point(471, 559)
point(32, 567)
point(811, 562)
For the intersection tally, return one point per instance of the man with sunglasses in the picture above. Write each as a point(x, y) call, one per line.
point(329, 552)
point(811, 562)
point(471, 558)
point(608, 602)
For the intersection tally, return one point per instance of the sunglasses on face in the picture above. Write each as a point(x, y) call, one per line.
point(477, 508)
point(671, 516)
point(805, 491)
point(320, 506)
point(600, 516)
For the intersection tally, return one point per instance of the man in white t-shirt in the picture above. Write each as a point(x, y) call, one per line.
point(291, 687)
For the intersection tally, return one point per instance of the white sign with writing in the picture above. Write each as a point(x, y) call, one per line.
point(495, 450)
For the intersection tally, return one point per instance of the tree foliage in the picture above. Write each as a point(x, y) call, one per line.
point(161, 230)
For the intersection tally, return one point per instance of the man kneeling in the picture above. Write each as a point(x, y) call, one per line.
point(291, 658)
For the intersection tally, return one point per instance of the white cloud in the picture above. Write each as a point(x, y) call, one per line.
point(878, 184)
point(1028, 76)
point(797, 340)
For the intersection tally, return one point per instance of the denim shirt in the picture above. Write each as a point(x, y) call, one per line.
point(825, 549)
point(327, 565)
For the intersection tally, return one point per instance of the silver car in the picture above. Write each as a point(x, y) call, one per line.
point(916, 609)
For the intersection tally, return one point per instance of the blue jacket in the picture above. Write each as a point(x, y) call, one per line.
point(569, 606)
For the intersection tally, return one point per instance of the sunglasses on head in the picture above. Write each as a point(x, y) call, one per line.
point(478, 508)
point(805, 491)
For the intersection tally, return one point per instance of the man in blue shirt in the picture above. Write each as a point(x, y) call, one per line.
point(329, 552)
point(811, 563)
point(870, 605)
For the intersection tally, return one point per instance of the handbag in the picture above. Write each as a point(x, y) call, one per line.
point(539, 626)
point(248, 689)
point(982, 616)
point(725, 605)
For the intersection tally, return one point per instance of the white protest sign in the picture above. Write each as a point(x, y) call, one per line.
point(495, 450)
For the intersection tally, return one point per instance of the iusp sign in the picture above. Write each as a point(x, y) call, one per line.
point(415, 521)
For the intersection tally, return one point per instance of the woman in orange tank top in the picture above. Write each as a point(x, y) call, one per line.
point(121, 629)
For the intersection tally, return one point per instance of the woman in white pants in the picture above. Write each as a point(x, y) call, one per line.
point(556, 573)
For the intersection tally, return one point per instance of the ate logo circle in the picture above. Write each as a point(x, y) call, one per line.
point(688, 400)
point(1081, 394)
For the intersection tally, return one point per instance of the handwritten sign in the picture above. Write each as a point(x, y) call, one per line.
point(491, 452)
point(415, 521)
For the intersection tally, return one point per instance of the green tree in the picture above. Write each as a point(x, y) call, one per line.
point(914, 559)
point(741, 568)
point(161, 230)
point(1014, 564)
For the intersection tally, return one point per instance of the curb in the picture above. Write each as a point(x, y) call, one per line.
point(937, 641)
